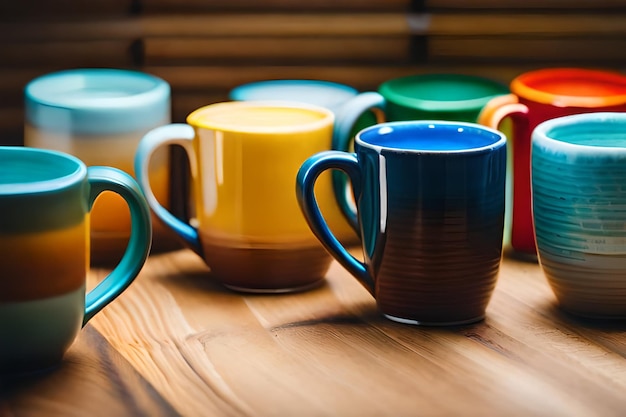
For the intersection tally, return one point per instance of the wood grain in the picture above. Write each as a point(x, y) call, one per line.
point(210, 351)
point(93, 380)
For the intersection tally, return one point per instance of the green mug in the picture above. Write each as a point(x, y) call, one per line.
point(46, 198)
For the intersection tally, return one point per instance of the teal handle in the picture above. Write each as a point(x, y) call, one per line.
point(112, 179)
point(346, 119)
point(305, 193)
point(180, 134)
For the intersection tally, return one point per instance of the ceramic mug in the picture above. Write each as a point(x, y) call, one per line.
point(430, 201)
point(328, 94)
point(99, 115)
point(46, 197)
point(451, 97)
point(244, 157)
point(538, 96)
point(578, 176)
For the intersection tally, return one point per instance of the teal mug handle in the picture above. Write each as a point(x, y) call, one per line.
point(112, 179)
point(180, 134)
point(346, 119)
point(310, 170)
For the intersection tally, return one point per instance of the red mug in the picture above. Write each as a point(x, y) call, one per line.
point(537, 96)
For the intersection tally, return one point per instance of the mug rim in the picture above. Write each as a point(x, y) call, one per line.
point(388, 90)
point(541, 133)
point(522, 86)
point(48, 185)
point(42, 90)
point(195, 118)
point(96, 100)
point(236, 92)
point(501, 141)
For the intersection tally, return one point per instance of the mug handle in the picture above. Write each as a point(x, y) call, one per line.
point(500, 107)
point(308, 173)
point(112, 179)
point(180, 134)
point(347, 117)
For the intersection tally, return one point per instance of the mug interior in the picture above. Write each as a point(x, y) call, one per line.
point(96, 101)
point(29, 170)
point(575, 87)
point(261, 117)
point(587, 133)
point(430, 136)
point(442, 92)
point(318, 92)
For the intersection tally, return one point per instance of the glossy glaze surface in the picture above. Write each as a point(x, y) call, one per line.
point(431, 215)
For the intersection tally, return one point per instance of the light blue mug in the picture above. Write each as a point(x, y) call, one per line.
point(46, 198)
point(578, 182)
point(430, 208)
point(331, 95)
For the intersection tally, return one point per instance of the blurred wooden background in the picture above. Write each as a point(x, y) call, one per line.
point(203, 48)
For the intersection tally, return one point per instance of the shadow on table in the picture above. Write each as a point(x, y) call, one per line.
point(92, 380)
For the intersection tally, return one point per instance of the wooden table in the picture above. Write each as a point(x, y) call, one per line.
point(177, 343)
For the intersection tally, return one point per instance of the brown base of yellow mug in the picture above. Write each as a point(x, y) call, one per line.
point(267, 270)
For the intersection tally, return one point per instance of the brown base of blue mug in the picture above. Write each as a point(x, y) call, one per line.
point(435, 323)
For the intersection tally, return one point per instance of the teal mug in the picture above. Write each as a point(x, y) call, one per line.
point(46, 198)
point(430, 208)
point(578, 174)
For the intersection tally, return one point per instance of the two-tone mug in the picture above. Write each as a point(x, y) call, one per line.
point(247, 226)
point(430, 199)
point(99, 115)
point(46, 199)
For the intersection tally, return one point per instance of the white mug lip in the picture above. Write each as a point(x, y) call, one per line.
point(541, 133)
point(501, 141)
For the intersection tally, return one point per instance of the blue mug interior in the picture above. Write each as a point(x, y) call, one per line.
point(430, 136)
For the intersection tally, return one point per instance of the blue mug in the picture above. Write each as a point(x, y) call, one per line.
point(430, 199)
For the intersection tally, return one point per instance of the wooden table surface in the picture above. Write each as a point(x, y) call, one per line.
point(177, 343)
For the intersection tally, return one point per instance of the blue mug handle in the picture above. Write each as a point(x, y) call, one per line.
point(347, 117)
point(112, 179)
point(305, 186)
point(180, 134)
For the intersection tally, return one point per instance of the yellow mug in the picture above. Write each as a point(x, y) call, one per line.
point(247, 225)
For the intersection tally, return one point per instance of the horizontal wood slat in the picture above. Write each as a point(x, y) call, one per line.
point(273, 50)
point(202, 46)
point(559, 5)
point(168, 6)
